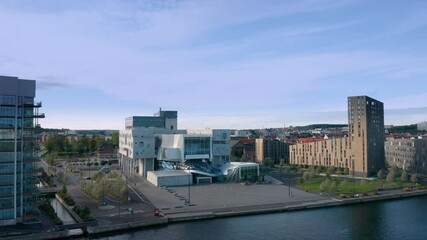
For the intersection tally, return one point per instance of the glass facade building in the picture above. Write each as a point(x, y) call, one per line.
point(18, 118)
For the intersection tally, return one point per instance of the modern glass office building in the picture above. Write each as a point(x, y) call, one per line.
point(18, 118)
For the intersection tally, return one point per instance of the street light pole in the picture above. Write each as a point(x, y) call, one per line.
point(352, 165)
point(189, 180)
point(289, 180)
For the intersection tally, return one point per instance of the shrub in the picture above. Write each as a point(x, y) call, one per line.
point(50, 212)
point(83, 213)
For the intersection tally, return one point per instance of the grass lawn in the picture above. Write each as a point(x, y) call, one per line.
point(346, 186)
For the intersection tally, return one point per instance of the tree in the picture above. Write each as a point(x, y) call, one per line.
point(381, 173)
point(268, 162)
point(325, 185)
point(50, 159)
point(92, 144)
point(64, 189)
point(404, 176)
point(63, 178)
point(312, 172)
point(333, 186)
point(394, 168)
point(346, 172)
point(391, 175)
point(331, 170)
point(414, 178)
point(306, 176)
point(115, 138)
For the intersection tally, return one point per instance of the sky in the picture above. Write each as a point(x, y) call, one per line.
point(221, 64)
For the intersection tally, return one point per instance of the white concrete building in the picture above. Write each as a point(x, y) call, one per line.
point(147, 140)
point(220, 145)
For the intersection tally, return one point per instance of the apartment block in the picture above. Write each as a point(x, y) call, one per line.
point(407, 154)
point(274, 149)
point(362, 151)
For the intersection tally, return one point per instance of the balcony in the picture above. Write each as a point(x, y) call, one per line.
point(36, 104)
point(38, 115)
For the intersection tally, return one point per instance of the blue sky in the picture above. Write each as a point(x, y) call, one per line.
point(221, 64)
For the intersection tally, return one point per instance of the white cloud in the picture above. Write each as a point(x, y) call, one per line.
point(155, 53)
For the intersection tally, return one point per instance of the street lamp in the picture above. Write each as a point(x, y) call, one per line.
point(352, 166)
point(289, 180)
point(189, 181)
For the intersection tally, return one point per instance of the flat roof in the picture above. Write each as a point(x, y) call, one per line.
point(244, 164)
point(170, 173)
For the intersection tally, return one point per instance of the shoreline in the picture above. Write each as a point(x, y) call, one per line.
point(209, 214)
point(333, 202)
point(171, 218)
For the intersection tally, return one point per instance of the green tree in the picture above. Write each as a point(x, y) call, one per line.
point(391, 175)
point(268, 162)
point(85, 213)
point(331, 170)
point(306, 176)
point(115, 138)
point(63, 178)
point(414, 178)
point(64, 189)
point(50, 159)
point(381, 173)
point(324, 185)
point(92, 144)
point(346, 172)
point(404, 176)
point(333, 186)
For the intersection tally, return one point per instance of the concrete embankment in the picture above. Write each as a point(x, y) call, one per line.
point(40, 236)
point(179, 217)
point(69, 210)
point(126, 226)
point(193, 216)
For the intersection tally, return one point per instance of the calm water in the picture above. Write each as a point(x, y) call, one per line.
point(398, 219)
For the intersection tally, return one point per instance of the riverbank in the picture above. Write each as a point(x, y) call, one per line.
point(274, 208)
point(248, 210)
point(185, 216)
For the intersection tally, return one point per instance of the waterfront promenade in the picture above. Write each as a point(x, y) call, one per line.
point(210, 201)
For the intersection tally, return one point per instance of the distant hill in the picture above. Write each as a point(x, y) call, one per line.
point(412, 129)
point(322, 126)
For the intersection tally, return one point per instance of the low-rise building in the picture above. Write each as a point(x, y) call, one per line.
point(242, 149)
point(106, 152)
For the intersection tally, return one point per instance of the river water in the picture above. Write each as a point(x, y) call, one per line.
point(395, 219)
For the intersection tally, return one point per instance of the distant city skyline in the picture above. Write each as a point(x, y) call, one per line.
point(220, 64)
